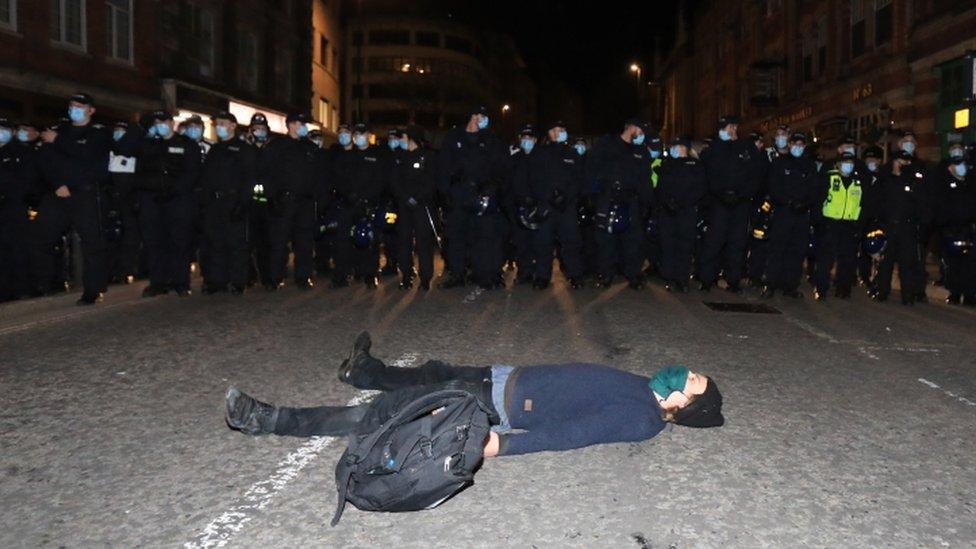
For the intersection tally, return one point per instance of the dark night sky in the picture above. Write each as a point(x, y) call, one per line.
point(589, 45)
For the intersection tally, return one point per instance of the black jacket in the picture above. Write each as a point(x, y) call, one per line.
point(167, 167)
point(681, 184)
point(904, 198)
point(361, 176)
point(229, 173)
point(414, 174)
point(732, 170)
point(955, 200)
point(622, 171)
point(794, 183)
point(558, 180)
point(79, 156)
point(471, 162)
point(287, 166)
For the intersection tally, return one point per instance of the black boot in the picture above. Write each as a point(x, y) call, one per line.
point(954, 298)
point(350, 369)
point(452, 281)
point(249, 415)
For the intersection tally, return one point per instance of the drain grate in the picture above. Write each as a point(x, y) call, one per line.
point(753, 308)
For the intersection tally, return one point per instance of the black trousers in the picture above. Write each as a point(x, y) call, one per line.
point(960, 270)
point(259, 243)
point(561, 227)
point(224, 240)
point(903, 248)
point(56, 216)
point(725, 242)
point(789, 239)
point(350, 260)
point(837, 242)
point(167, 228)
point(415, 235)
point(400, 386)
point(620, 252)
point(521, 239)
point(14, 251)
point(291, 221)
point(677, 238)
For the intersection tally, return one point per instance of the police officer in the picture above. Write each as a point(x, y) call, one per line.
point(323, 196)
point(525, 168)
point(228, 177)
point(956, 218)
point(474, 164)
point(387, 232)
point(904, 207)
point(288, 165)
point(76, 166)
point(18, 203)
point(843, 207)
point(652, 244)
point(166, 171)
point(193, 128)
point(620, 164)
point(413, 183)
point(793, 190)
point(762, 208)
point(873, 159)
point(730, 166)
point(557, 187)
point(361, 178)
point(328, 208)
point(258, 222)
point(125, 241)
point(681, 187)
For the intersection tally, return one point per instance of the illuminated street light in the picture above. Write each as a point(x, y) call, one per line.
point(506, 107)
point(635, 68)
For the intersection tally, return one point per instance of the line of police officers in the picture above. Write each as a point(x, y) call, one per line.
point(240, 206)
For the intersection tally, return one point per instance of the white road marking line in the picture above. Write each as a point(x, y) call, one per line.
point(85, 312)
point(473, 295)
point(962, 399)
point(864, 351)
point(811, 329)
point(220, 530)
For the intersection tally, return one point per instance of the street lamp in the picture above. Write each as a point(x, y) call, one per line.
point(636, 69)
point(506, 108)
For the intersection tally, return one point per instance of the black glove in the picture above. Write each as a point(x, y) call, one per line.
point(729, 198)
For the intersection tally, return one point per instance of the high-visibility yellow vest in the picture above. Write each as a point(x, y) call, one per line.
point(655, 164)
point(842, 203)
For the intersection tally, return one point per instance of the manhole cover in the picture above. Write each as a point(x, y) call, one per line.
point(755, 308)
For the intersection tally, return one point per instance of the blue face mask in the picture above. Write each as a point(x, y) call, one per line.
point(527, 145)
point(260, 135)
point(908, 147)
point(956, 153)
point(162, 130)
point(580, 148)
point(482, 122)
point(76, 114)
point(404, 144)
point(118, 134)
point(724, 135)
point(302, 130)
point(393, 144)
point(673, 151)
point(797, 151)
point(639, 139)
point(222, 132)
point(781, 142)
point(23, 136)
point(655, 153)
point(5, 136)
point(561, 136)
point(961, 169)
point(872, 166)
point(846, 168)
point(194, 132)
point(345, 139)
point(361, 141)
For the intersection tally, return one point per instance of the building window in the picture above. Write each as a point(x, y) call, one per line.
point(429, 39)
point(323, 114)
point(382, 37)
point(119, 29)
point(201, 39)
point(8, 14)
point(323, 57)
point(335, 119)
point(247, 61)
point(283, 75)
point(335, 60)
point(883, 21)
point(68, 22)
point(357, 91)
point(357, 38)
point(458, 44)
point(859, 29)
point(357, 65)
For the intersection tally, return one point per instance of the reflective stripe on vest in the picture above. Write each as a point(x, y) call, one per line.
point(842, 203)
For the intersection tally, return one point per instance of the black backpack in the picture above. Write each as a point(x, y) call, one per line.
point(415, 460)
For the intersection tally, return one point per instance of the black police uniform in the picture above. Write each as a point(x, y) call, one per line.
point(472, 164)
point(904, 208)
point(731, 171)
point(124, 203)
point(199, 250)
point(525, 168)
point(865, 263)
point(758, 248)
point(557, 186)
point(78, 158)
point(838, 239)
point(259, 221)
point(360, 184)
point(19, 202)
point(228, 178)
point(794, 187)
point(167, 171)
point(288, 166)
point(956, 218)
point(681, 186)
point(413, 183)
point(622, 171)
point(325, 236)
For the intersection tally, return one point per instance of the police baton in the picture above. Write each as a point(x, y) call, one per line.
point(433, 227)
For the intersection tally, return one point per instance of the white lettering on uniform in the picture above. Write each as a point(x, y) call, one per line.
point(175, 150)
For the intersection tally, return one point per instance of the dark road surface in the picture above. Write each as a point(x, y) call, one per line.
point(849, 424)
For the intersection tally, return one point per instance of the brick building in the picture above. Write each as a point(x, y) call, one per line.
point(189, 56)
point(828, 67)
